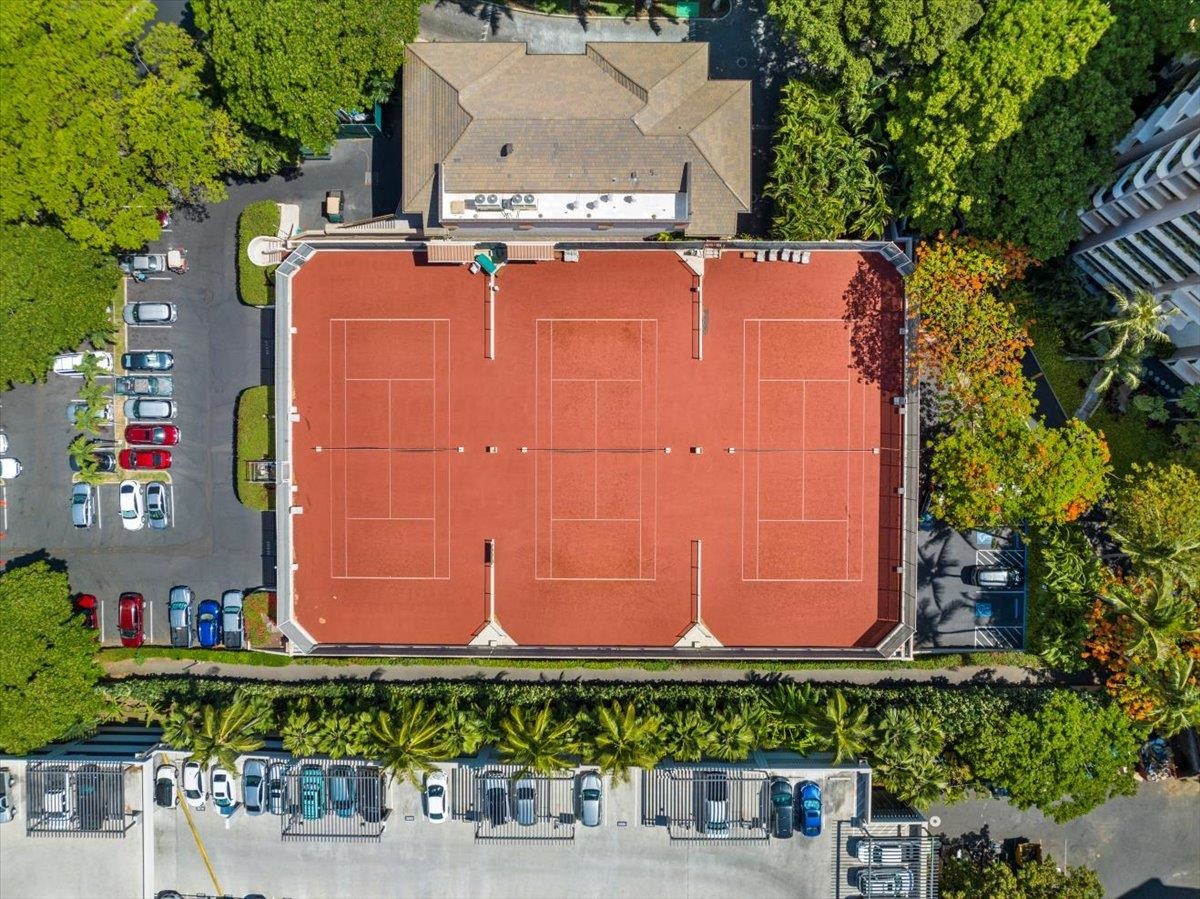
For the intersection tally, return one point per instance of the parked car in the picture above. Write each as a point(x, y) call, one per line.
point(195, 793)
point(133, 512)
point(87, 606)
point(435, 796)
point(254, 782)
point(147, 409)
point(179, 616)
point(870, 852)
point(231, 618)
point(276, 789)
point(140, 265)
point(7, 803)
point(144, 459)
point(83, 505)
point(590, 793)
point(3, 443)
point(783, 813)
point(148, 313)
point(370, 793)
point(208, 624)
point(91, 803)
point(152, 435)
point(102, 459)
point(148, 360)
point(158, 505)
point(71, 364)
point(343, 790)
point(312, 792)
point(495, 798)
point(143, 385)
point(77, 409)
point(525, 802)
point(884, 881)
point(714, 804)
point(130, 610)
point(166, 783)
point(993, 577)
point(808, 796)
point(224, 791)
point(56, 797)
point(10, 468)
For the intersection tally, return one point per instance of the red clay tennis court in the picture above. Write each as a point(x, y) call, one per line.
point(595, 482)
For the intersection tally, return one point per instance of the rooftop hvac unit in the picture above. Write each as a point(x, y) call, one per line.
point(528, 200)
point(487, 201)
point(522, 201)
point(480, 200)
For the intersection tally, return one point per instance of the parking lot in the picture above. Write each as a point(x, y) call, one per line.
point(952, 612)
point(413, 856)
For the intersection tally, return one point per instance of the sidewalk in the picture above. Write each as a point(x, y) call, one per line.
point(1004, 675)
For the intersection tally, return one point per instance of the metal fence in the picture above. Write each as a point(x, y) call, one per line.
point(709, 803)
point(333, 801)
point(905, 864)
point(506, 803)
point(78, 799)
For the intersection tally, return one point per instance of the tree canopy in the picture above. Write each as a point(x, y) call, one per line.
point(54, 294)
point(48, 672)
point(964, 878)
point(1156, 516)
point(1069, 756)
point(286, 68)
point(103, 123)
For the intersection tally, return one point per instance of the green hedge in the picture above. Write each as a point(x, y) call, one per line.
point(255, 440)
point(221, 656)
point(256, 285)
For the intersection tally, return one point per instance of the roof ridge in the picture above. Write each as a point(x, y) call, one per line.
point(742, 86)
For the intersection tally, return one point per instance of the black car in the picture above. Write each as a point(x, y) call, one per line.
point(105, 461)
point(91, 801)
point(370, 793)
point(783, 813)
point(148, 360)
point(495, 799)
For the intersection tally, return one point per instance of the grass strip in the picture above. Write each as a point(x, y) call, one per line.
point(256, 285)
point(254, 438)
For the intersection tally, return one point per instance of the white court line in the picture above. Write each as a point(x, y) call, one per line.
point(342, 442)
point(552, 454)
point(641, 430)
point(388, 518)
point(390, 380)
point(594, 518)
point(602, 380)
point(596, 456)
point(758, 466)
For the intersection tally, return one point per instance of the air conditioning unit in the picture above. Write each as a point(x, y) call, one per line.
point(487, 201)
point(522, 201)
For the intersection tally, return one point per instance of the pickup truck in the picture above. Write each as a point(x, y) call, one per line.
point(144, 264)
point(132, 385)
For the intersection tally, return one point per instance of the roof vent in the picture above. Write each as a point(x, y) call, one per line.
point(507, 150)
point(480, 199)
point(492, 199)
point(528, 199)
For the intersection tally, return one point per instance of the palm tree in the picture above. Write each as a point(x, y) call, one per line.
point(211, 734)
point(465, 729)
point(82, 452)
point(410, 739)
point(789, 709)
point(735, 735)
point(1159, 615)
point(624, 739)
point(344, 732)
point(688, 735)
point(537, 743)
point(842, 732)
point(1122, 342)
point(301, 733)
point(1176, 694)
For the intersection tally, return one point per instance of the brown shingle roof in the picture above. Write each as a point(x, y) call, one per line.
point(577, 122)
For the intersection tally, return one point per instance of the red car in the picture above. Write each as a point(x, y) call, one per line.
point(134, 459)
point(154, 435)
point(87, 606)
point(129, 619)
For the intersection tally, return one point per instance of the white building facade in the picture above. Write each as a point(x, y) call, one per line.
point(1143, 228)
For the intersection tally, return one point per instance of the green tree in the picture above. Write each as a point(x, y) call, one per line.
point(210, 733)
point(1174, 690)
point(842, 730)
point(905, 756)
point(1158, 614)
point(789, 708)
point(465, 729)
point(537, 742)
point(964, 878)
point(48, 672)
point(1064, 581)
point(825, 178)
point(410, 739)
point(688, 735)
point(624, 738)
point(54, 295)
point(975, 97)
point(1070, 755)
point(301, 731)
point(284, 69)
point(1156, 516)
point(735, 732)
point(344, 732)
point(104, 123)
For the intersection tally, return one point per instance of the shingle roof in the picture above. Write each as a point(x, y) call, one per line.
point(620, 116)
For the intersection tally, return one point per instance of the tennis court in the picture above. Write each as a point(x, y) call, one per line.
point(592, 482)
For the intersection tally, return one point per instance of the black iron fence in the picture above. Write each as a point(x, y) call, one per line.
point(76, 799)
point(333, 801)
point(707, 803)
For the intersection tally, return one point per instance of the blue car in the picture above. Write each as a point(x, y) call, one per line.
point(808, 807)
point(208, 623)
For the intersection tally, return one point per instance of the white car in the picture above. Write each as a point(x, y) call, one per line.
point(3, 443)
point(158, 505)
point(436, 796)
point(146, 408)
point(166, 785)
point(9, 468)
point(69, 363)
point(224, 790)
point(148, 313)
point(133, 511)
point(194, 792)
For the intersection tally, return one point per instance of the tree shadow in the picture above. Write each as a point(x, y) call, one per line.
point(875, 316)
point(58, 566)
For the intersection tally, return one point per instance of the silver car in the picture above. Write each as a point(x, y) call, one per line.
point(885, 881)
point(148, 313)
point(179, 614)
point(254, 786)
point(525, 802)
point(145, 408)
point(231, 618)
point(590, 799)
point(7, 803)
point(83, 505)
point(158, 505)
point(276, 789)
